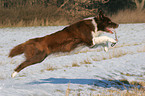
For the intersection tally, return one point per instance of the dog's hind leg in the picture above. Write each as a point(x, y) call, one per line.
point(33, 56)
point(39, 57)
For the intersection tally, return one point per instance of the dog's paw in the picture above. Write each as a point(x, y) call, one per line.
point(113, 44)
point(14, 74)
point(106, 49)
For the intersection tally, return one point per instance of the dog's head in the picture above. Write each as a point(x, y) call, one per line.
point(104, 23)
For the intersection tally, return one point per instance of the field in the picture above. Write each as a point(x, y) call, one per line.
point(82, 72)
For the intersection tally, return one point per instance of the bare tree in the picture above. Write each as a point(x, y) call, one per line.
point(139, 5)
point(80, 1)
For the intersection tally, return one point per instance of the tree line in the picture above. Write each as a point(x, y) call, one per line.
point(61, 12)
point(108, 5)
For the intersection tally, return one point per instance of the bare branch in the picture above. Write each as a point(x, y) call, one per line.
point(139, 5)
point(61, 6)
point(142, 4)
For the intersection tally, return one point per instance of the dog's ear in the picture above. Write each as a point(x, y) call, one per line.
point(101, 15)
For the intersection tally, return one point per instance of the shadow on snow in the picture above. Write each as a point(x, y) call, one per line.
point(119, 84)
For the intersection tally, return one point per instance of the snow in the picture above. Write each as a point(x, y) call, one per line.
point(96, 70)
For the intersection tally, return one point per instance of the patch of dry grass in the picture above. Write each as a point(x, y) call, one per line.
point(115, 53)
point(129, 16)
point(75, 64)
point(68, 90)
point(32, 16)
point(87, 61)
point(46, 16)
point(134, 91)
point(97, 58)
point(141, 49)
point(124, 45)
point(50, 68)
point(127, 74)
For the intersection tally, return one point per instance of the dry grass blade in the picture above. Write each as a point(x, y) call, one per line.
point(68, 90)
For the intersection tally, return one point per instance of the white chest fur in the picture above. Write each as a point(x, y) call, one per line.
point(95, 33)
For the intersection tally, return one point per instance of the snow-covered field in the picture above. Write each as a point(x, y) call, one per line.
point(86, 71)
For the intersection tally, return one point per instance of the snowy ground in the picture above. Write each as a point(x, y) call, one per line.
point(85, 71)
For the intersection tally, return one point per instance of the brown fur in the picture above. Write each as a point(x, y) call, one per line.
point(35, 50)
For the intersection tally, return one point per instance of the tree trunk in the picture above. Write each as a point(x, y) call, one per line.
point(139, 5)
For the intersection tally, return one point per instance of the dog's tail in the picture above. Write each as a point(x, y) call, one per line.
point(19, 49)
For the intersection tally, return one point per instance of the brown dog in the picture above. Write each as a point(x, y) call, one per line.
point(37, 49)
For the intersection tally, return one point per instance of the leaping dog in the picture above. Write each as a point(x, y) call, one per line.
point(86, 32)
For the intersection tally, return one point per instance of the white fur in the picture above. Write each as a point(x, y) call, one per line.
point(95, 25)
point(97, 39)
point(102, 39)
point(14, 74)
point(106, 49)
point(95, 33)
point(89, 18)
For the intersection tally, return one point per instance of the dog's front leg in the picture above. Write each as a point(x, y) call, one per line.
point(106, 47)
point(103, 39)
